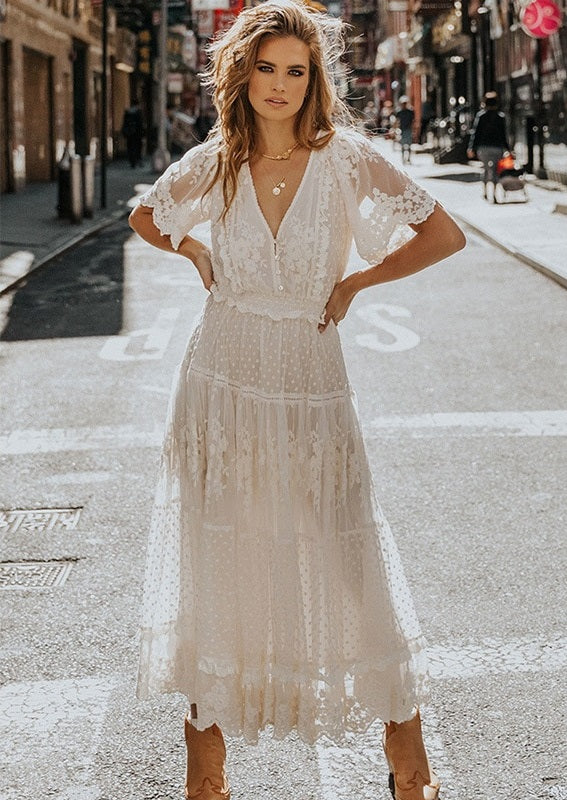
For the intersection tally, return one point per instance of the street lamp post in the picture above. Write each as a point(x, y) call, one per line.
point(104, 100)
point(161, 156)
point(541, 171)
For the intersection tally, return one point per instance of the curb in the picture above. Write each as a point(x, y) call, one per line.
point(68, 245)
point(545, 269)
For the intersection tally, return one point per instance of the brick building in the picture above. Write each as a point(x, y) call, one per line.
point(51, 84)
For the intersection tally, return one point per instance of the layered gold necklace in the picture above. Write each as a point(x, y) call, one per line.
point(285, 156)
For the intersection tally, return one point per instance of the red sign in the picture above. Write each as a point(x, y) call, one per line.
point(540, 18)
point(225, 17)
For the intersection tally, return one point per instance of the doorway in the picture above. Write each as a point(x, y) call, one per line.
point(38, 112)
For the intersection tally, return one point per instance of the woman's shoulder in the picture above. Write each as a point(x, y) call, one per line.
point(350, 147)
point(202, 156)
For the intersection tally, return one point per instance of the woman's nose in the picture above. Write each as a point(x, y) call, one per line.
point(278, 84)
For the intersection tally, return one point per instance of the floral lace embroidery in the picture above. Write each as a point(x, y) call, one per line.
point(264, 486)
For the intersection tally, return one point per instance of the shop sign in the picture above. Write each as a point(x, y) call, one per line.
point(174, 51)
point(189, 51)
point(224, 19)
point(206, 22)
point(540, 18)
point(145, 52)
point(210, 5)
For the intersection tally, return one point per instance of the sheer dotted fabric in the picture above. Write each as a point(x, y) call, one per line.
point(274, 593)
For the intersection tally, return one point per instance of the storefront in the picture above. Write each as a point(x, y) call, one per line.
point(50, 62)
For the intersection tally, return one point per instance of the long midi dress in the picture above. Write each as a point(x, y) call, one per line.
point(274, 595)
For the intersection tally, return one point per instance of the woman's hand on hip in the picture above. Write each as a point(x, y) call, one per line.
point(201, 258)
point(339, 302)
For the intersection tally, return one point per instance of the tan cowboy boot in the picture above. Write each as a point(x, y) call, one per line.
point(206, 754)
point(411, 777)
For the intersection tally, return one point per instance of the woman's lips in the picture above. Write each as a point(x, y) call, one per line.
point(275, 103)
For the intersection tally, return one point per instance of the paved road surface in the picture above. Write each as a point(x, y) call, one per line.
point(460, 378)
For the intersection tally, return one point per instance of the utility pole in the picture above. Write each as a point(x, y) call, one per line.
point(161, 156)
point(104, 101)
point(541, 171)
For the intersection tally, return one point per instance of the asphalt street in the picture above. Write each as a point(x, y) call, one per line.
point(460, 377)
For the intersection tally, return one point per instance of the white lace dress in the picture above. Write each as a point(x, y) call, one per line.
point(274, 594)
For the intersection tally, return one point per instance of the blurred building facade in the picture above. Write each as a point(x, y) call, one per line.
point(448, 53)
point(51, 85)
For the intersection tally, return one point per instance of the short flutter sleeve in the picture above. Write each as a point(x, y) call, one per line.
point(178, 196)
point(381, 201)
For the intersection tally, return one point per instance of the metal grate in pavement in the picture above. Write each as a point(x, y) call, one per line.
point(39, 519)
point(34, 574)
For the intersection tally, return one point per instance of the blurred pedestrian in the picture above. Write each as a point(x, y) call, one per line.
point(386, 116)
point(133, 132)
point(405, 117)
point(488, 141)
point(274, 594)
point(427, 114)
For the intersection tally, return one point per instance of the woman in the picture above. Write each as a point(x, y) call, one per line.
point(488, 140)
point(274, 594)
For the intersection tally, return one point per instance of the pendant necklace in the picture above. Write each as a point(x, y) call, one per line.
point(278, 187)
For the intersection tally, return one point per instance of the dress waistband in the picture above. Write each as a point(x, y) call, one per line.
point(266, 305)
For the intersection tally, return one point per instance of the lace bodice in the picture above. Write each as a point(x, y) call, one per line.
point(348, 190)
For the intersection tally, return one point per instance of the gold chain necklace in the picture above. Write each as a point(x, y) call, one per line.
point(283, 156)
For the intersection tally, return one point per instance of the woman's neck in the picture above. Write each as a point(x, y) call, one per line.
point(273, 137)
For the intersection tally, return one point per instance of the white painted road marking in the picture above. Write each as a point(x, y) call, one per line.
point(474, 423)
point(343, 769)
point(41, 719)
point(44, 723)
point(144, 344)
point(495, 656)
point(101, 437)
point(402, 338)
point(477, 423)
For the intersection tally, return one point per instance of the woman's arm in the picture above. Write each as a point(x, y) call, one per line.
point(436, 238)
point(141, 221)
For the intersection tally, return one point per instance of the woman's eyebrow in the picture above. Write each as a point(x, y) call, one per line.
point(270, 64)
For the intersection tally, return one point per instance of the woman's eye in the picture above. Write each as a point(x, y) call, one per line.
point(264, 68)
point(296, 72)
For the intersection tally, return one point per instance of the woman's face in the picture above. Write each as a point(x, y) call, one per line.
point(280, 78)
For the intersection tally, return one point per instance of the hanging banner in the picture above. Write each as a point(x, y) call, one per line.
point(540, 18)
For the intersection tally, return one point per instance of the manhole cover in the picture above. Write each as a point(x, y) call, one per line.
point(39, 519)
point(34, 574)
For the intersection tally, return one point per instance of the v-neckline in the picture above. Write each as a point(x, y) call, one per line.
point(290, 206)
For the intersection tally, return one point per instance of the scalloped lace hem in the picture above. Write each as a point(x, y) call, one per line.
point(314, 703)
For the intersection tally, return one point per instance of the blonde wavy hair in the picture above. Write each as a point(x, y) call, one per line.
point(233, 58)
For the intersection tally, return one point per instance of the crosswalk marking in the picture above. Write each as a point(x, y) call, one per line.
point(344, 769)
point(45, 716)
point(474, 423)
point(99, 437)
point(41, 720)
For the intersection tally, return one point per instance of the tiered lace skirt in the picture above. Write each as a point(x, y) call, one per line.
point(274, 594)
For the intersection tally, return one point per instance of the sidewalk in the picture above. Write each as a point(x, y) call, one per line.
point(31, 233)
point(533, 232)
